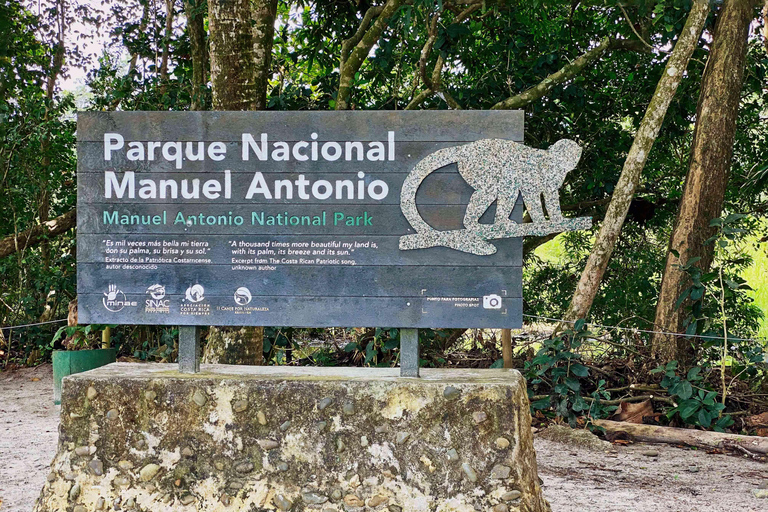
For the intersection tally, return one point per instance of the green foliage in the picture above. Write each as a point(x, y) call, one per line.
point(696, 405)
point(556, 369)
point(722, 287)
point(79, 337)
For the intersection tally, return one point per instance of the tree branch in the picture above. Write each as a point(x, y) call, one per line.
point(363, 41)
point(37, 234)
point(560, 76)
point(434, 83)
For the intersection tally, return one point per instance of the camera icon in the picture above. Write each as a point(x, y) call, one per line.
point(491, 301)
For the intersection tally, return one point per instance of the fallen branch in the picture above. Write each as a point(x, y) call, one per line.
point(32, 236)
point(686, 436)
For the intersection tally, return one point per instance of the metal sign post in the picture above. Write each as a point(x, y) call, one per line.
point(409, 352)
point(189, 349)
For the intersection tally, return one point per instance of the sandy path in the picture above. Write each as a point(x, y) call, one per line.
point(574, 479)
point(29, 425)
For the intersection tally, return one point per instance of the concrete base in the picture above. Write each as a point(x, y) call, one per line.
point(237, 438)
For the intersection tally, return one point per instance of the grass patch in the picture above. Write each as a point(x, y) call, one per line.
point(757, 278)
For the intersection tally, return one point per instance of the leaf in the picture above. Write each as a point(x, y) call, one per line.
point(499, 363)
point(391, 344)
point(633, 413)
point(697, 293)
point(351, 347)
point(688, 408)
point(572, 383)
point(579, 324)
point(693, 373)
point(704, 418)
point(733, 218)
point(693, 260)
point(684, 390)
point(580, 370)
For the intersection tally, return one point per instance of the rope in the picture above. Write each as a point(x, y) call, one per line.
point(647, 331)
point(704, 336)
point(33, 325)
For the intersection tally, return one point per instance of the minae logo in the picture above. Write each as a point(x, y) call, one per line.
point(114, 299)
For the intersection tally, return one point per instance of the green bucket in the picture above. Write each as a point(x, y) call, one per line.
point(69, 362)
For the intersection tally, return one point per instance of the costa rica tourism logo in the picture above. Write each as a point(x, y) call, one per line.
point(114, 299)
point(157, 303)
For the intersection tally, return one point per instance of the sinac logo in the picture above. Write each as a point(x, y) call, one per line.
point(242, 296)
point(114, 299)
point(156, 291)
point(195, 293)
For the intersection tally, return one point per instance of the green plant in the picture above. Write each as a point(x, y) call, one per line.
point(696, 405)
point(380, 348)
point(79, 337)
point(709, 295)
point(556, 369)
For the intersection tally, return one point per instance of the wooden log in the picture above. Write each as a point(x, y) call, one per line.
point(686, 436)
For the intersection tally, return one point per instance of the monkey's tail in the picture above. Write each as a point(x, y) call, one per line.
point(420, 171)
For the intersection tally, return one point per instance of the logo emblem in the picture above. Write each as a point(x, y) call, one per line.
point(156, 291)
point(491, 301)
point(114, 299)
point(242, 296)
point(195, 293)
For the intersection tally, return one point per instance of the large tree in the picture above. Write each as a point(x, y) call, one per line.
point(241, 35)
point(638, 154)
point(708, 172)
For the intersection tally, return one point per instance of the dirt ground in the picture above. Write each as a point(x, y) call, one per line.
point(575, 479)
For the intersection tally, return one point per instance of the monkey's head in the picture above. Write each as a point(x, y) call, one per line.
point(565, 154)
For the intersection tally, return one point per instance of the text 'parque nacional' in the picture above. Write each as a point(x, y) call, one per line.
point(301, 188)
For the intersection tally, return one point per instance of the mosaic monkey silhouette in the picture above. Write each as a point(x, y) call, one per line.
point(499, 170)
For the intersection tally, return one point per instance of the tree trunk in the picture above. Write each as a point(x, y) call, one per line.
point(196, 31)
point(232, 63)
point(243, 345)
point(241, 56)
point(57, 62)
point(263, 32)
point(708, 172)
point(166, 42)
point(610, 229)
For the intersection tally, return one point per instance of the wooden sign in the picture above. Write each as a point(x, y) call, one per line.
point(311, 219)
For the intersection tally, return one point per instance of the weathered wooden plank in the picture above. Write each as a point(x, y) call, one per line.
point(309, 280)
point(432, 125)
point(92, 248)
point(309, 312)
